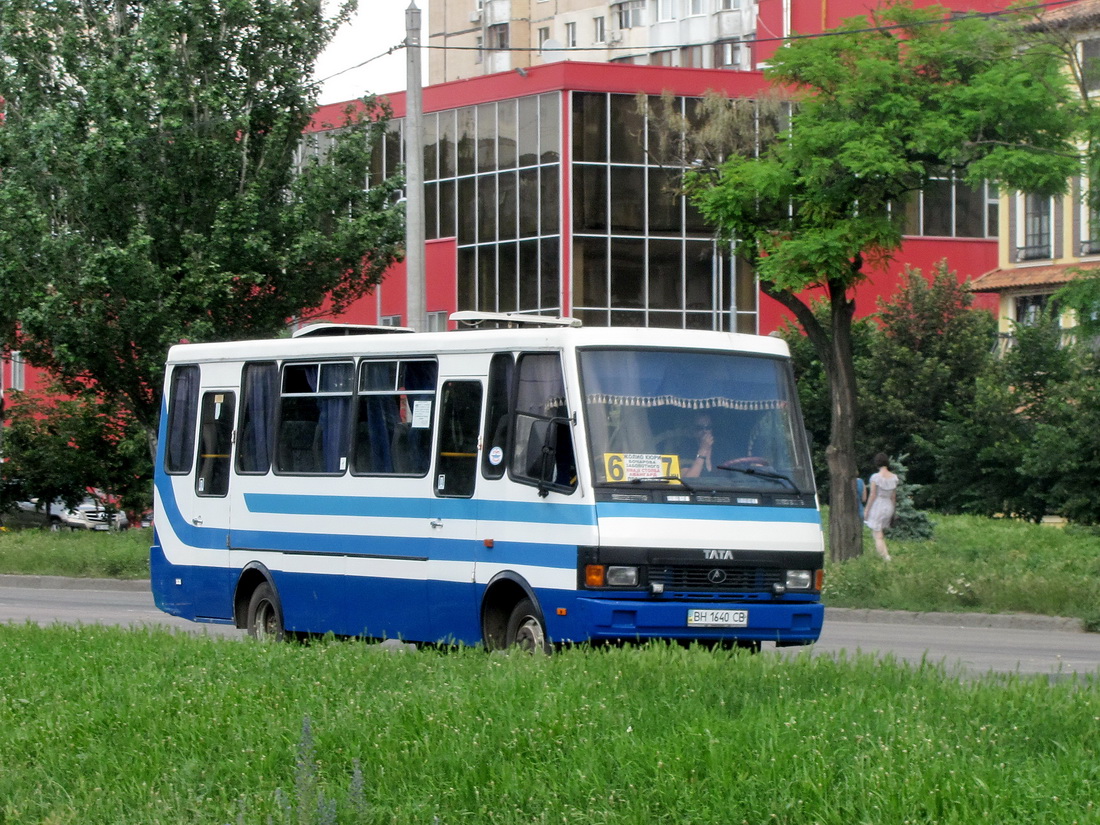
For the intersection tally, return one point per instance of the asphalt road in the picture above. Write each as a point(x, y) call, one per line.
point(970, 644)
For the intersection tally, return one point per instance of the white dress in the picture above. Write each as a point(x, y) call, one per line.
point(881, 510)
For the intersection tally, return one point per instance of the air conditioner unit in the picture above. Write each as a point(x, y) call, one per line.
point(615, 36)
point(475, 16)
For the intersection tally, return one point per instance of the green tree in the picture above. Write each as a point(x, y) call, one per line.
point(882, 105)
point(1018, 446)
point(155, 185)
point(58, 448)
point(927, 355)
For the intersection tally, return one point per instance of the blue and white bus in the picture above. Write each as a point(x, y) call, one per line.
point(529, 486)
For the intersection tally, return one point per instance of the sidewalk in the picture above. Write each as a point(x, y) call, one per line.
point(1019, 621)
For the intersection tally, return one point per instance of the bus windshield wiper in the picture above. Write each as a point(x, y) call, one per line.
point(666, 479)
point(756, 471)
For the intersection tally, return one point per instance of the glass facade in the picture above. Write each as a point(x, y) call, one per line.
point(642, 254)
point(492, 177)
point(639, 253)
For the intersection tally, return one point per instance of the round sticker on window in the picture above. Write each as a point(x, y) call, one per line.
point(496, 455)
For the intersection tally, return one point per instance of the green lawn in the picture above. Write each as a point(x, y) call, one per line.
point(105, 725)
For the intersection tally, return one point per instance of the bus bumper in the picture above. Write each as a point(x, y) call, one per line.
point(786, 623)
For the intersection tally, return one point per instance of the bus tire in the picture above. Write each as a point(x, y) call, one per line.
point(526, 630)
point(265, 614)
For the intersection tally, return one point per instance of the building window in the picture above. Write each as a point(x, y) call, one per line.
point(1090, 65)
point(729, 5)
point(695, 7)
point(1036, 234)
point(18, 371)
point(390, 321)
point(599, 30)
point(948, 207)
point(692, 57)
point(570, 35)
point(1030, 308)
point(642, 255)
point(727, 54)
point(666, 10)
point(498, 37)
point(661, 58)
point(631, 14)
point(1090, 221)
point(437, 322)
point(544, 35)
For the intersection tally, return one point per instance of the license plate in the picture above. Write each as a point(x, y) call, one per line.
point(718, 618)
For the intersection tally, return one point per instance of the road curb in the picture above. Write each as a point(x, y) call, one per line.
point(1019, 621)
point(70, 583)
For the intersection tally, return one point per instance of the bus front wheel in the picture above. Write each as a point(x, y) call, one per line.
point(265, 614)
point(526, 630)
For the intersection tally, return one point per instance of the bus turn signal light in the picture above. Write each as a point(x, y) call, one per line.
point(594, 575)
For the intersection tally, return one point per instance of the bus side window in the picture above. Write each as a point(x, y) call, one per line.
point(543, 446)
point(494, 459)
point(459, 416)
point(215, 442)
point(393, 431)
point(314, 412)
point(183, 408)
point(259, 396)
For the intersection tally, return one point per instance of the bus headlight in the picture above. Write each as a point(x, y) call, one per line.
point(800, 579)
point(622, 576)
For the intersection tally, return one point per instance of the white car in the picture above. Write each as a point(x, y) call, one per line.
point(90, 514)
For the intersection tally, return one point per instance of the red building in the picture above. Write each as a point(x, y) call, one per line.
point(542, 195)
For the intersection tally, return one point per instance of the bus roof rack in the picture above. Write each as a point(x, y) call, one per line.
point(474, 319)
point(329, 330)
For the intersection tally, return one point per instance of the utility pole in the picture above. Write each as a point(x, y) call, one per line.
point(416, 308)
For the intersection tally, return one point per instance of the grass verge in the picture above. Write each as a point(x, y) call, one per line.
point(86, 554)
point(125, 726)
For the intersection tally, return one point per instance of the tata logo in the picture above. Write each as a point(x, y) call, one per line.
point(718, 555)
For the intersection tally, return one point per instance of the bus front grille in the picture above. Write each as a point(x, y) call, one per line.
point(716, 579)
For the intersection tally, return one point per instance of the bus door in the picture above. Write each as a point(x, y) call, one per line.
point(454, 510)
point(210, 503)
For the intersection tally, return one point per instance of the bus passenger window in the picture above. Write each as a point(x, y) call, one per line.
point(495, 440)
point(313, 423)
point(215, 442)
point(459, 416)
point(259, 396)
point(393, 431)
point(183, 407)
point(543, 453)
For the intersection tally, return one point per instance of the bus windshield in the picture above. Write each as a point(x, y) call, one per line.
point(700, 419)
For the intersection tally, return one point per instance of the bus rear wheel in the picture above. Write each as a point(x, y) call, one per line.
point(526, 630)
point(265, 614)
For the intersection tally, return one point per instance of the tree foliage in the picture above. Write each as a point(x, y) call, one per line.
point(1028, 445)
point(57, 449)
point(882, 106)
point(149, 190)
point(925, 357)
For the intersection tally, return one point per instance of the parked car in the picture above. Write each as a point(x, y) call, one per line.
point(90, 514)
point(24, 514)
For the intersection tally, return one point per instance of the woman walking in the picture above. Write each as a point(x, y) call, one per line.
point(881, 502)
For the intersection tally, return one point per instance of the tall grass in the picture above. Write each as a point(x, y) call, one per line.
point(85, 554)
point(977, 564)
point(103, 725)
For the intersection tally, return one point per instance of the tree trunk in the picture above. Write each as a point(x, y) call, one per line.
point(834, 348)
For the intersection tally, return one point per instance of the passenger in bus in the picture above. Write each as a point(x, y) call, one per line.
point(702, 461)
